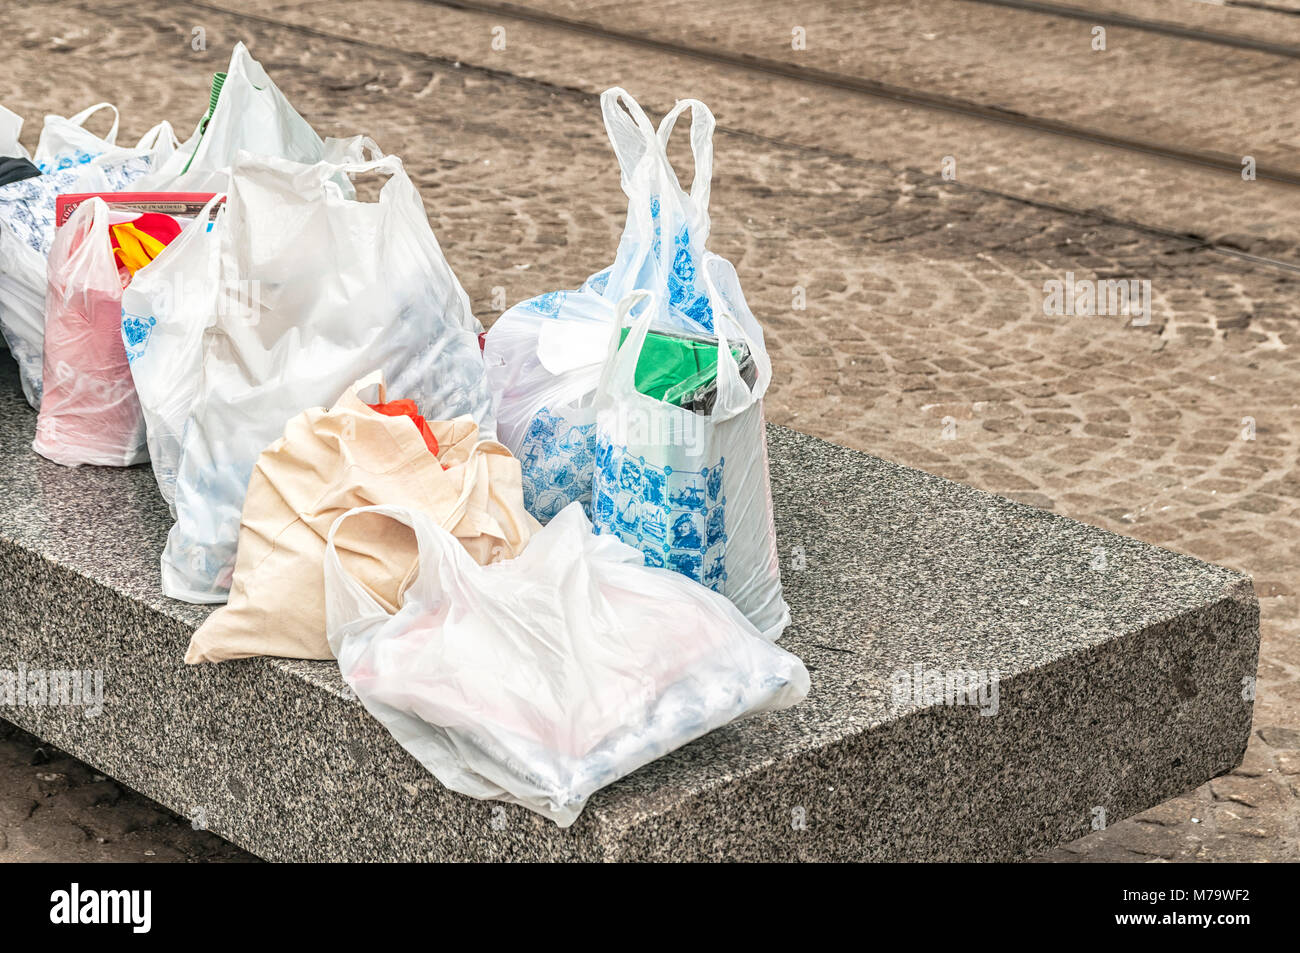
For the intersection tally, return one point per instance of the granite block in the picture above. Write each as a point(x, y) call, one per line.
point(1121, 673)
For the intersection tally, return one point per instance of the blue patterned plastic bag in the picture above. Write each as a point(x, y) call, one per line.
point(544, 391)
point(690, 490)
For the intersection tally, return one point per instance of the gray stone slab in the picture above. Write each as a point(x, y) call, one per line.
point(1120, 674)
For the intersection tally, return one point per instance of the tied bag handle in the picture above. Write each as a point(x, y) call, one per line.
point(390, 164)
point(351, 149)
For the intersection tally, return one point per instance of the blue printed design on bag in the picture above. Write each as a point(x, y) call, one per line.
point(682, 293)
point(28, 206)
point(548, 304)
point(683, 296)
point(677, 518)
point(598, 282)
point(66, 160)
point(135, 334)
point(655, 481)
point(555, 460)
point(683, 263)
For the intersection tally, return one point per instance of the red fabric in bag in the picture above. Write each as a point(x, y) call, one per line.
point(407, 408)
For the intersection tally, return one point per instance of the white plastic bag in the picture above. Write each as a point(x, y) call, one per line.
point(76, 161)
point(89, 412)
point(66, 142)
point(11, 128)
point(165, 310)
point(315, 290)
point(544, 355)
point(167, 307)
point(543, 380)
point(250, 114)
point(541, 679)
point(691, 490)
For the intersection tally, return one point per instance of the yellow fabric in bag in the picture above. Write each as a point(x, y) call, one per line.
point(135, 248)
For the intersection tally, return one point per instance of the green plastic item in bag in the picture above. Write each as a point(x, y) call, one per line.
point(673, 367)
point(218, 80)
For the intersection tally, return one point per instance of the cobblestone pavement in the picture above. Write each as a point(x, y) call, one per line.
point(1145, 85)
point(1259, 217)
point(924, 339)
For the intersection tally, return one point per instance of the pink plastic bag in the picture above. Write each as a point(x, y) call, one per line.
point(89, 412)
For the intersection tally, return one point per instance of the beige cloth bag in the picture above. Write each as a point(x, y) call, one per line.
point(328, 462)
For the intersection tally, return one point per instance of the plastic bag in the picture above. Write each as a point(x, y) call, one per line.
point(313, 291)
point(66, 142)
point(544, 355)
point(168, 306)
point(11, 128)
point(247, 112)
point(165, 310)
point(691, 490)
point(542, 679)
point(89, 412)
point(328, 462)
point(79, 162)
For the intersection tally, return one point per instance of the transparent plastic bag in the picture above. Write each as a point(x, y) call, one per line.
point(165, 310)
point(544, 355)
point(691, 490)
point(541, 679)
point(249, 114)
point(89, 411)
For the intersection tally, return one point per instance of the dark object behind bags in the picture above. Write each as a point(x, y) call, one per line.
point(15, 169)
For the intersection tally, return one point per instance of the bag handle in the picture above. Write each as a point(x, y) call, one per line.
point(473, 467)
point(80, 119)
point(620, 353)
point(374, 378)
point(629, 129)
point(723, 312)
point(368, 146)
point(362, 605)
point(432, 542)
point(397, 189)
point(351, 149)
point(159, 135)
point(728, 370)
point(389, 164)
point(86, 231)
point(703, 124)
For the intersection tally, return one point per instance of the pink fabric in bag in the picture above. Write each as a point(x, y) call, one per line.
point(89, 412)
